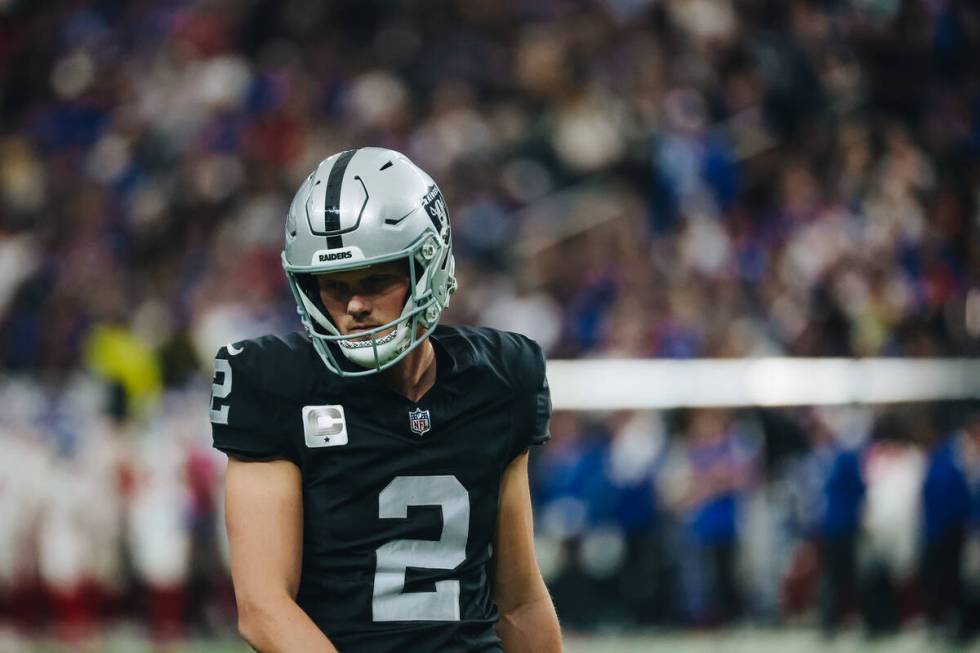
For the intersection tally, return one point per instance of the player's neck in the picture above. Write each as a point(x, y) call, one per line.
point(415, 374)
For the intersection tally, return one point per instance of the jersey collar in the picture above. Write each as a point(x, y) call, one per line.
point(446, 359)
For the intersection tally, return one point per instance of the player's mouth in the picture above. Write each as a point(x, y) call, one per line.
point(371, 335)
point(362, 328)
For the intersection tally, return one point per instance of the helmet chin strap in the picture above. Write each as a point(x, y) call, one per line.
point(362, 352)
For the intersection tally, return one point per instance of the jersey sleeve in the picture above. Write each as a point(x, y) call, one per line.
point(531, 426)
point(245, 419)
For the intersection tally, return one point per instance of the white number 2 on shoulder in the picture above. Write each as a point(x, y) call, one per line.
point(219, 412)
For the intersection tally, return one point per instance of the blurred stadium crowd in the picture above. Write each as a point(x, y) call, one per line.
point(630, 178)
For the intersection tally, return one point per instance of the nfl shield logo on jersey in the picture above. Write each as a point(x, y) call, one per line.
point(419, 420)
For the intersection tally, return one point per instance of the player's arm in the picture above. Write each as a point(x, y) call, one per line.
point(528, 622)
point(264, 514)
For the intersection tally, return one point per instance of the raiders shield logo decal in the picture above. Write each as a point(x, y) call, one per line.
point(418, 419)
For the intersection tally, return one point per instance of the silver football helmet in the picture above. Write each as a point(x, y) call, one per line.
point(358, 208)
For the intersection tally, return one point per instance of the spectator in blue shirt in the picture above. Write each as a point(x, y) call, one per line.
point(946, 517)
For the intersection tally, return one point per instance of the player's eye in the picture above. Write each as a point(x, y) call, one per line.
point(378, 282)
point(333, 288)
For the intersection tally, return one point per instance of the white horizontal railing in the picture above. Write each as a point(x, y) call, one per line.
point(608, 384)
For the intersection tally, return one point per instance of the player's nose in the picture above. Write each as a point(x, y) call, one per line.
point(358, 305)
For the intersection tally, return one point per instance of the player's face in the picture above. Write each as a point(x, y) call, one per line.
point(359, 300)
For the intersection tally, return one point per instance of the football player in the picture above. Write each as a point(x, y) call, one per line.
point(377, 495)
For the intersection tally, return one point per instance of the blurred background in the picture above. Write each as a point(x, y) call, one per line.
point(670, 179)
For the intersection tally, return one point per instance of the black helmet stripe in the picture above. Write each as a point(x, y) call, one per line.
point(331, 201)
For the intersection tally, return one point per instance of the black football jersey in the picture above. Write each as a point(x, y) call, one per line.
point(399, 497)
